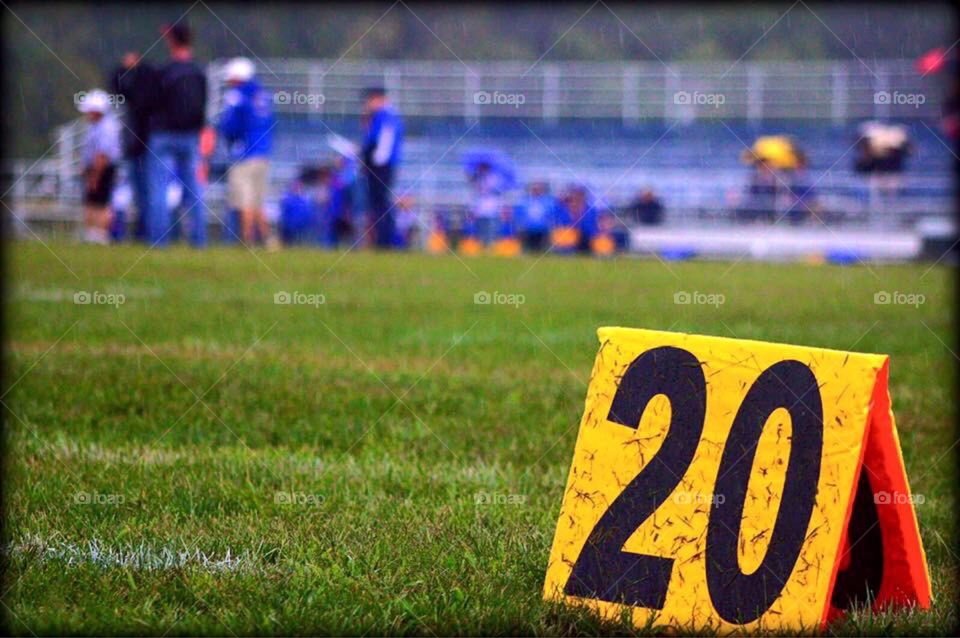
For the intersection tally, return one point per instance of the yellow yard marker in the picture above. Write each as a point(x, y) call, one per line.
point(736, 485)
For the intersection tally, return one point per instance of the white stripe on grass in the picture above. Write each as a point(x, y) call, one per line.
point(139, 557)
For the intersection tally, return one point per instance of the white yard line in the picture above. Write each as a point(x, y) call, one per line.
point(128, 557)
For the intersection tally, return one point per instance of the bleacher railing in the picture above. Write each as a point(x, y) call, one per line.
point(632, 92)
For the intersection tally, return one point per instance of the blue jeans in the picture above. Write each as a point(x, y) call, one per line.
point(137, 172)
point(173, 155)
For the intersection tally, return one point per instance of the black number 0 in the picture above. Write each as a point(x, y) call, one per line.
point(604, 571)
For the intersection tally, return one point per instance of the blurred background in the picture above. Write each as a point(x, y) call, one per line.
point(793, 131)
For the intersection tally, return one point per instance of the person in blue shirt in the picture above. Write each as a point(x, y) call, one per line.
point(342, 205)
point(535, 214)
point(561, 214)
point(381, 153)
point(324, 196)
point(247, 124)
point(317, 187)
point(468, 227)
point(507, 228)
point(298, 215)
point(584, 215)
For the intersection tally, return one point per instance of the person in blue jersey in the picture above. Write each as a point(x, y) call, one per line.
point(342, 203)
point(298, 215)
point(381, 154)
point(246, 124)
point(584, 215)
point(534, 215)
point(561, 216)
point(322, 194)
point(563, 232)
point(508, 243)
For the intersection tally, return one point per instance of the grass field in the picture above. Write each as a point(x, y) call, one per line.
point(199, 459)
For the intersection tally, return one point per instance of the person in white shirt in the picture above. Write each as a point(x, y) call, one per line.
point(101, 152)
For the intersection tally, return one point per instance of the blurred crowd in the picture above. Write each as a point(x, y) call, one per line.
point(165, 142)
point(323, 204)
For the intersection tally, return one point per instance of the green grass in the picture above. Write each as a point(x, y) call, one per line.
point(190, 410)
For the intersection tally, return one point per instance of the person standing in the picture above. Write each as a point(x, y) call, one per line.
point(246, 124)
point(382, 145)
point(134, 80)
point(173, 148)
point(101, 152)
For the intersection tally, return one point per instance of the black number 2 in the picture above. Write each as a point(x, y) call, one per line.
point(603, 571)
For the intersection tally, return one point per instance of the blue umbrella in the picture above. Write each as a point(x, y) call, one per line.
point(500, 165)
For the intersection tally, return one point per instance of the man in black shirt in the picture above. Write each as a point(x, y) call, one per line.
point(177, 118)
point(135, 81)
point(647, 209)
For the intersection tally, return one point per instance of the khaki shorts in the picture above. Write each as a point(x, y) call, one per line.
point(247, 184)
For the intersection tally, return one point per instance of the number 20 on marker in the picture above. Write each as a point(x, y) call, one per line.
point(735, 485)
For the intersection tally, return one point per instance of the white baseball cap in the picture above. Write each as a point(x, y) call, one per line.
point(240, 69)
point(95, 101)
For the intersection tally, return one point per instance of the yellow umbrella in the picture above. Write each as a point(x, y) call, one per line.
point(778, 151)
